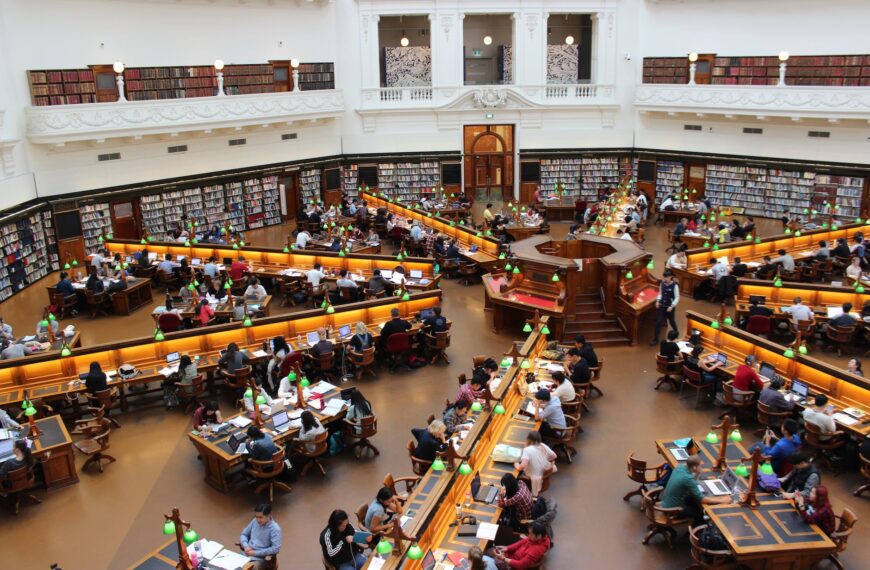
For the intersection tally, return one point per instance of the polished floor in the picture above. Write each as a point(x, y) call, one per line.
point(111, 520)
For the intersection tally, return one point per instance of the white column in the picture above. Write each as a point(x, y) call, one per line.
point(445, 36)
point(604, 39)
point(529, 48)
point(369, 56)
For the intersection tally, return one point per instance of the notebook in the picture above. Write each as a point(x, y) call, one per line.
point(237, 443)
point(312, 338)
point(344, 331)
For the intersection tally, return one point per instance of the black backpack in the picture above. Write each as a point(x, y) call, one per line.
point(539, 508)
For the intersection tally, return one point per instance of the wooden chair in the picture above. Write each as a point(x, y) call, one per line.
point(595, 376)
point(167, 280)
point(659, 519)
point(846, 523)
point(705, 558)
point(238, 380)
point(323, 363)
point(315, 295)
point(348, 294)
point(368, 294)
point(418, 466)
point(287, 288)
point(96, 444)
point(865, 473)
point(16, 484)
point(169, 322)
point(807, 329)
point(321, 448)
point(738, 402)
point(361, 431)
point(768, 418)
point(362, 361)
point(694, 381)
point(477, 360)
point(825, 269)
point(108, 400)
point(565, 443)
point(637, 472)
point(81, 425)
point(98, 303)
point(361, 513)
point(468, 272)
point(670, 371)
point(409, 482)
point(65, 305)
point(267, 471)
point(398, 348)
point(191, 392)
point(823, 442)
point(436, 344)
point(809, 273)
point(759, 325)
point(840, 337)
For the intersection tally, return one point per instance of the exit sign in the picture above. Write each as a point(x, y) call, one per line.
point(476, 53)
point(490, 116)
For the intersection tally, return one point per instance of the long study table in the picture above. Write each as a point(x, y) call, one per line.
point(824, 300)
point(124, 301)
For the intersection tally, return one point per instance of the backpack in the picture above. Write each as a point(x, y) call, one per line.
point(711, 538)
point(336, 443)
point(539, 507)
point(769, 483)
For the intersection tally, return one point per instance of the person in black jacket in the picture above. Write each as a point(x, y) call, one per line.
point(842, 249)
point(95, 381)
point(739, 269)
point(336, 542)
point(394, 325)
point(669, 348)
point(587, 351)
point(95, 284)
point(430, 441)
point(436, 323)
point(452, 251)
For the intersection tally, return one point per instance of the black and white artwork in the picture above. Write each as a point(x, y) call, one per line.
point(408, 66)
point(562, 63)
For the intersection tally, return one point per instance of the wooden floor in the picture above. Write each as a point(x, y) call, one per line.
point(112, 519)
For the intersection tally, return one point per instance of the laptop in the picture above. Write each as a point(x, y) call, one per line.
point(152, 256)
point(196, 261)
point(429, 563)
point(721, 358)
point(344, 331)
point(483, 493)
point(416, 274)
point(426, 314)
point(281, 421)
point(679, 453)
point(312, 338)
point(228, 261)
point(386, 273)
point(128, 259)
point(759, 298)
point(237, 443)
point(7, 447)
point(799, 391)
point(181, 258)
point(767, 370)
point(172, 359)
point(723, 486)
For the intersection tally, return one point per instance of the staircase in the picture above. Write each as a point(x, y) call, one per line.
point(590, 320)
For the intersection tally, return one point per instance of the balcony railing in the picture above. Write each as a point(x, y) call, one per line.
point(99, 121)
point(406, 94)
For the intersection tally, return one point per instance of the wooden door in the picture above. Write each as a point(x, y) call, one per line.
point(71, 248)
point(696, 176)
point(124, 221)
point(104, 80)
point(704, 68)
point(282, 75)
point(291, 194)
point(489, 159)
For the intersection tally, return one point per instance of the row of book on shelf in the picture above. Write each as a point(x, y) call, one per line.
point(29, 252)
point(581, 176)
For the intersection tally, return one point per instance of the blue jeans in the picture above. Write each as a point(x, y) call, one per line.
point(359, 561)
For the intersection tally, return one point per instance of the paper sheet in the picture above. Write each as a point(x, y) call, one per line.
point(241, 421)
point(260, 353)
point(487, 531)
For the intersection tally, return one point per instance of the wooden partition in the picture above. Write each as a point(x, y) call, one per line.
point(844, 389)
point(53, 374)
point(269, 259)
point(486, 245)
point(699, 260)
point(812, 294)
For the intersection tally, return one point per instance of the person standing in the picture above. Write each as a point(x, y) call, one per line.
point(666, 305)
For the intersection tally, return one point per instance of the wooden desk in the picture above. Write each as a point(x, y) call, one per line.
point(49, 377)
point(843, 389)
point(669, 217)
point(771, 536)
point(136, 295)
point(54, 451)
point(698, 260)
point(221, 311)
point(218, 458)
point(165, 557)
point(72, 342)
point(560, 210)
point(816, 296)
point(521, 231)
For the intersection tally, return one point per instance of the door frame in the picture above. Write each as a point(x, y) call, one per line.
point(137, 220)
point(508, 190)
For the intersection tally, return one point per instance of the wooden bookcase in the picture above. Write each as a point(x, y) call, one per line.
point(315, 76)
point(148, 83)
point(673, 70)
point(62, 86)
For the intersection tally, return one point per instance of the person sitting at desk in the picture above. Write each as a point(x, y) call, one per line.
point(302, 239)
point(262, 537)
point(480, 561)
point(232, 360)
point(12, 350)
point(548, 411)
point(166, 265)
point(841, 249)
point(784, 447)
point(381, 217)
point(261, 446)
point(816, 509)
point(773, 398)
point(379, 517)
point(279, 351)
point(681, 227)
point(98, 258)
point(430, 441)
point(239, 312)
point(823, 252)
point(577, 367)
point(439, 248)
point(858, 247)
point(6, 421)
point(516, 501)
point(396, 324)
point(315, 276)
point(766, 270)
point(435, 323)
point(668, 204)
point(314, 217)
point(337, 546)
point(185, 292)
point(630, 224)
point(682, 491)
point(746, 379)
point(720, 269)
point(564, 388)
point(623, 235)
point(472, 389)
point(65, 286)
point(820, 414)
point(96, 380)
point(207, 413)
point(416, 231)
point(802, 479)
point(373, 238)
point(362, 338)
point(5, 329)
point(347, 283)
point(248, 401)
point(238, 269)
point(311, 428)
point(739, 269)
point(525, 553)
point(323, 346)
point(669, 348)
point(486, 372)
point(536, 459)
point(94, 283)
point(844, 319)
point(854, 270)
point(377, 283)
point(854, 367)
point(336, 244)
point(587, 350)
point(756, 308)
point(706, 367)
point(452, 251)
point(799, 311)
point(45, 324)
point(21, 457)
point(255, 291)
point(358, 409)
point(456, 415)
point(488, 216)
point(204, 313)
point(210, 269)
point(677, 260)
point(736, 231)
point(785, 260)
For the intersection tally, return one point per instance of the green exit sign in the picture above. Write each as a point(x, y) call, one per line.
point(477, 52)
point(490, 116)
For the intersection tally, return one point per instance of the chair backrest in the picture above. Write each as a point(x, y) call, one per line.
point(805, 327)
point(847, 522)
point(289, 363)
point(478, 360)
point(692, 376)
point(165, 277)
point(635, 468)
point(364, 358)
point(99, 432)
point(320, 443)
point(418, 466)
point(95, 298)
point(17, 480)
point(733, 398)
point(439, 340)
point(325, 360)
point(758, 324)
point(462, 379)
point(814, 435)
point(649, 497)
point(169, 322)
point(106, 398)
point(194, 389)
point(268, 468)
point(398, 342)
point(840, 334)
point(361, 513)
point(368, 427)
point(665, 366)
point(347, 293)
point(767, 417)
point(705, 557)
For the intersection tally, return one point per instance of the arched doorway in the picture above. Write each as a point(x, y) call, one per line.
point(489, 161)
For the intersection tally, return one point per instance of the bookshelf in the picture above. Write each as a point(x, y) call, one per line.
point(387, 178)
point(214, 205)
point(96, 220)
point(235, 201)
point(350, 181)
point(665, 70)
point(244, 79)
point(567, 172)
point(151, 208)
point(847, 193)
point(29, 252)
point(62, 86)
point(147, 83)
point(309, 186)
point(761, 191)
point(262, 207)
point(669, 178)
point(193, 205)
point(409, 181)
point(429, 178)
point(314, 76)
point(598, 175)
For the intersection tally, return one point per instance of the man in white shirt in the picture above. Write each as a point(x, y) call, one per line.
point(315, 276)
point(623, 235)
point(854, 269)
point(97, 260)
point(302, 239)
point(819, 415)
point(784, 259)
point(720, 270)
point(166, 264)
point(255, 291)
point(799, 311)
point(667, 203)
point(210, 269)
point(352, 208)
point(5, 330)
point(677, 261)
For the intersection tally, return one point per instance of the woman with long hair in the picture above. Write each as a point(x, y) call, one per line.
point(336, 541)
point(817, 509)
point(22, 457)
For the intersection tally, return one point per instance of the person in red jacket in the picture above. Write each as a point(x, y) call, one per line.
point(525, 553)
